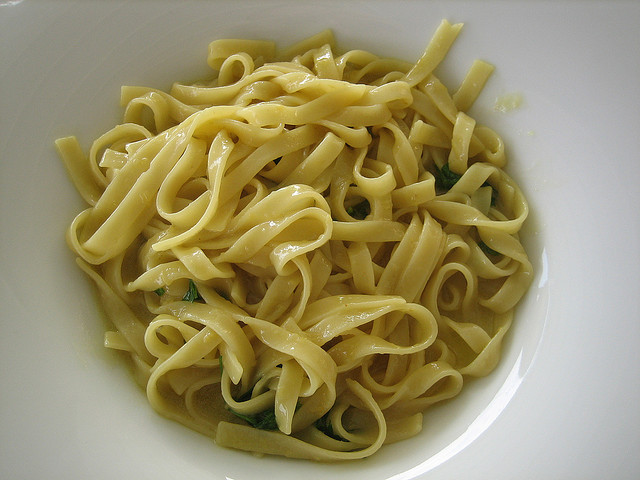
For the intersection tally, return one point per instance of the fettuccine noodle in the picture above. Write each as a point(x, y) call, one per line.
point(304, 253)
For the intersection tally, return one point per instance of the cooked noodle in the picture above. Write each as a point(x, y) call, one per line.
point(304, 253)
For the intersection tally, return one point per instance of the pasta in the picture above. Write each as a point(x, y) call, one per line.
point(305, 252)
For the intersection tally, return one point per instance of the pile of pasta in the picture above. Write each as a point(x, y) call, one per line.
point(306, 251)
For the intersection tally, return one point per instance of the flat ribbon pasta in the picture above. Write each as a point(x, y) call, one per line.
point(304, 252)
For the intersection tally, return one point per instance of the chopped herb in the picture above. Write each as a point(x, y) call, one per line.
point(360, 210)
point(445, 178)
point(192, 293)
point(324, 425)
point(265, 420)
point(245, 396)
point(494, 195)
point(487, 250)
point(159, 291)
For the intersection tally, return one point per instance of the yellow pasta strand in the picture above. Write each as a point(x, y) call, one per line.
point(304, 252)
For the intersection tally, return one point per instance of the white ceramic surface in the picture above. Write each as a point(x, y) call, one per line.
point(564, 402)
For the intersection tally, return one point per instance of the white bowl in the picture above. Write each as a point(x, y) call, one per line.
point(563, 402)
